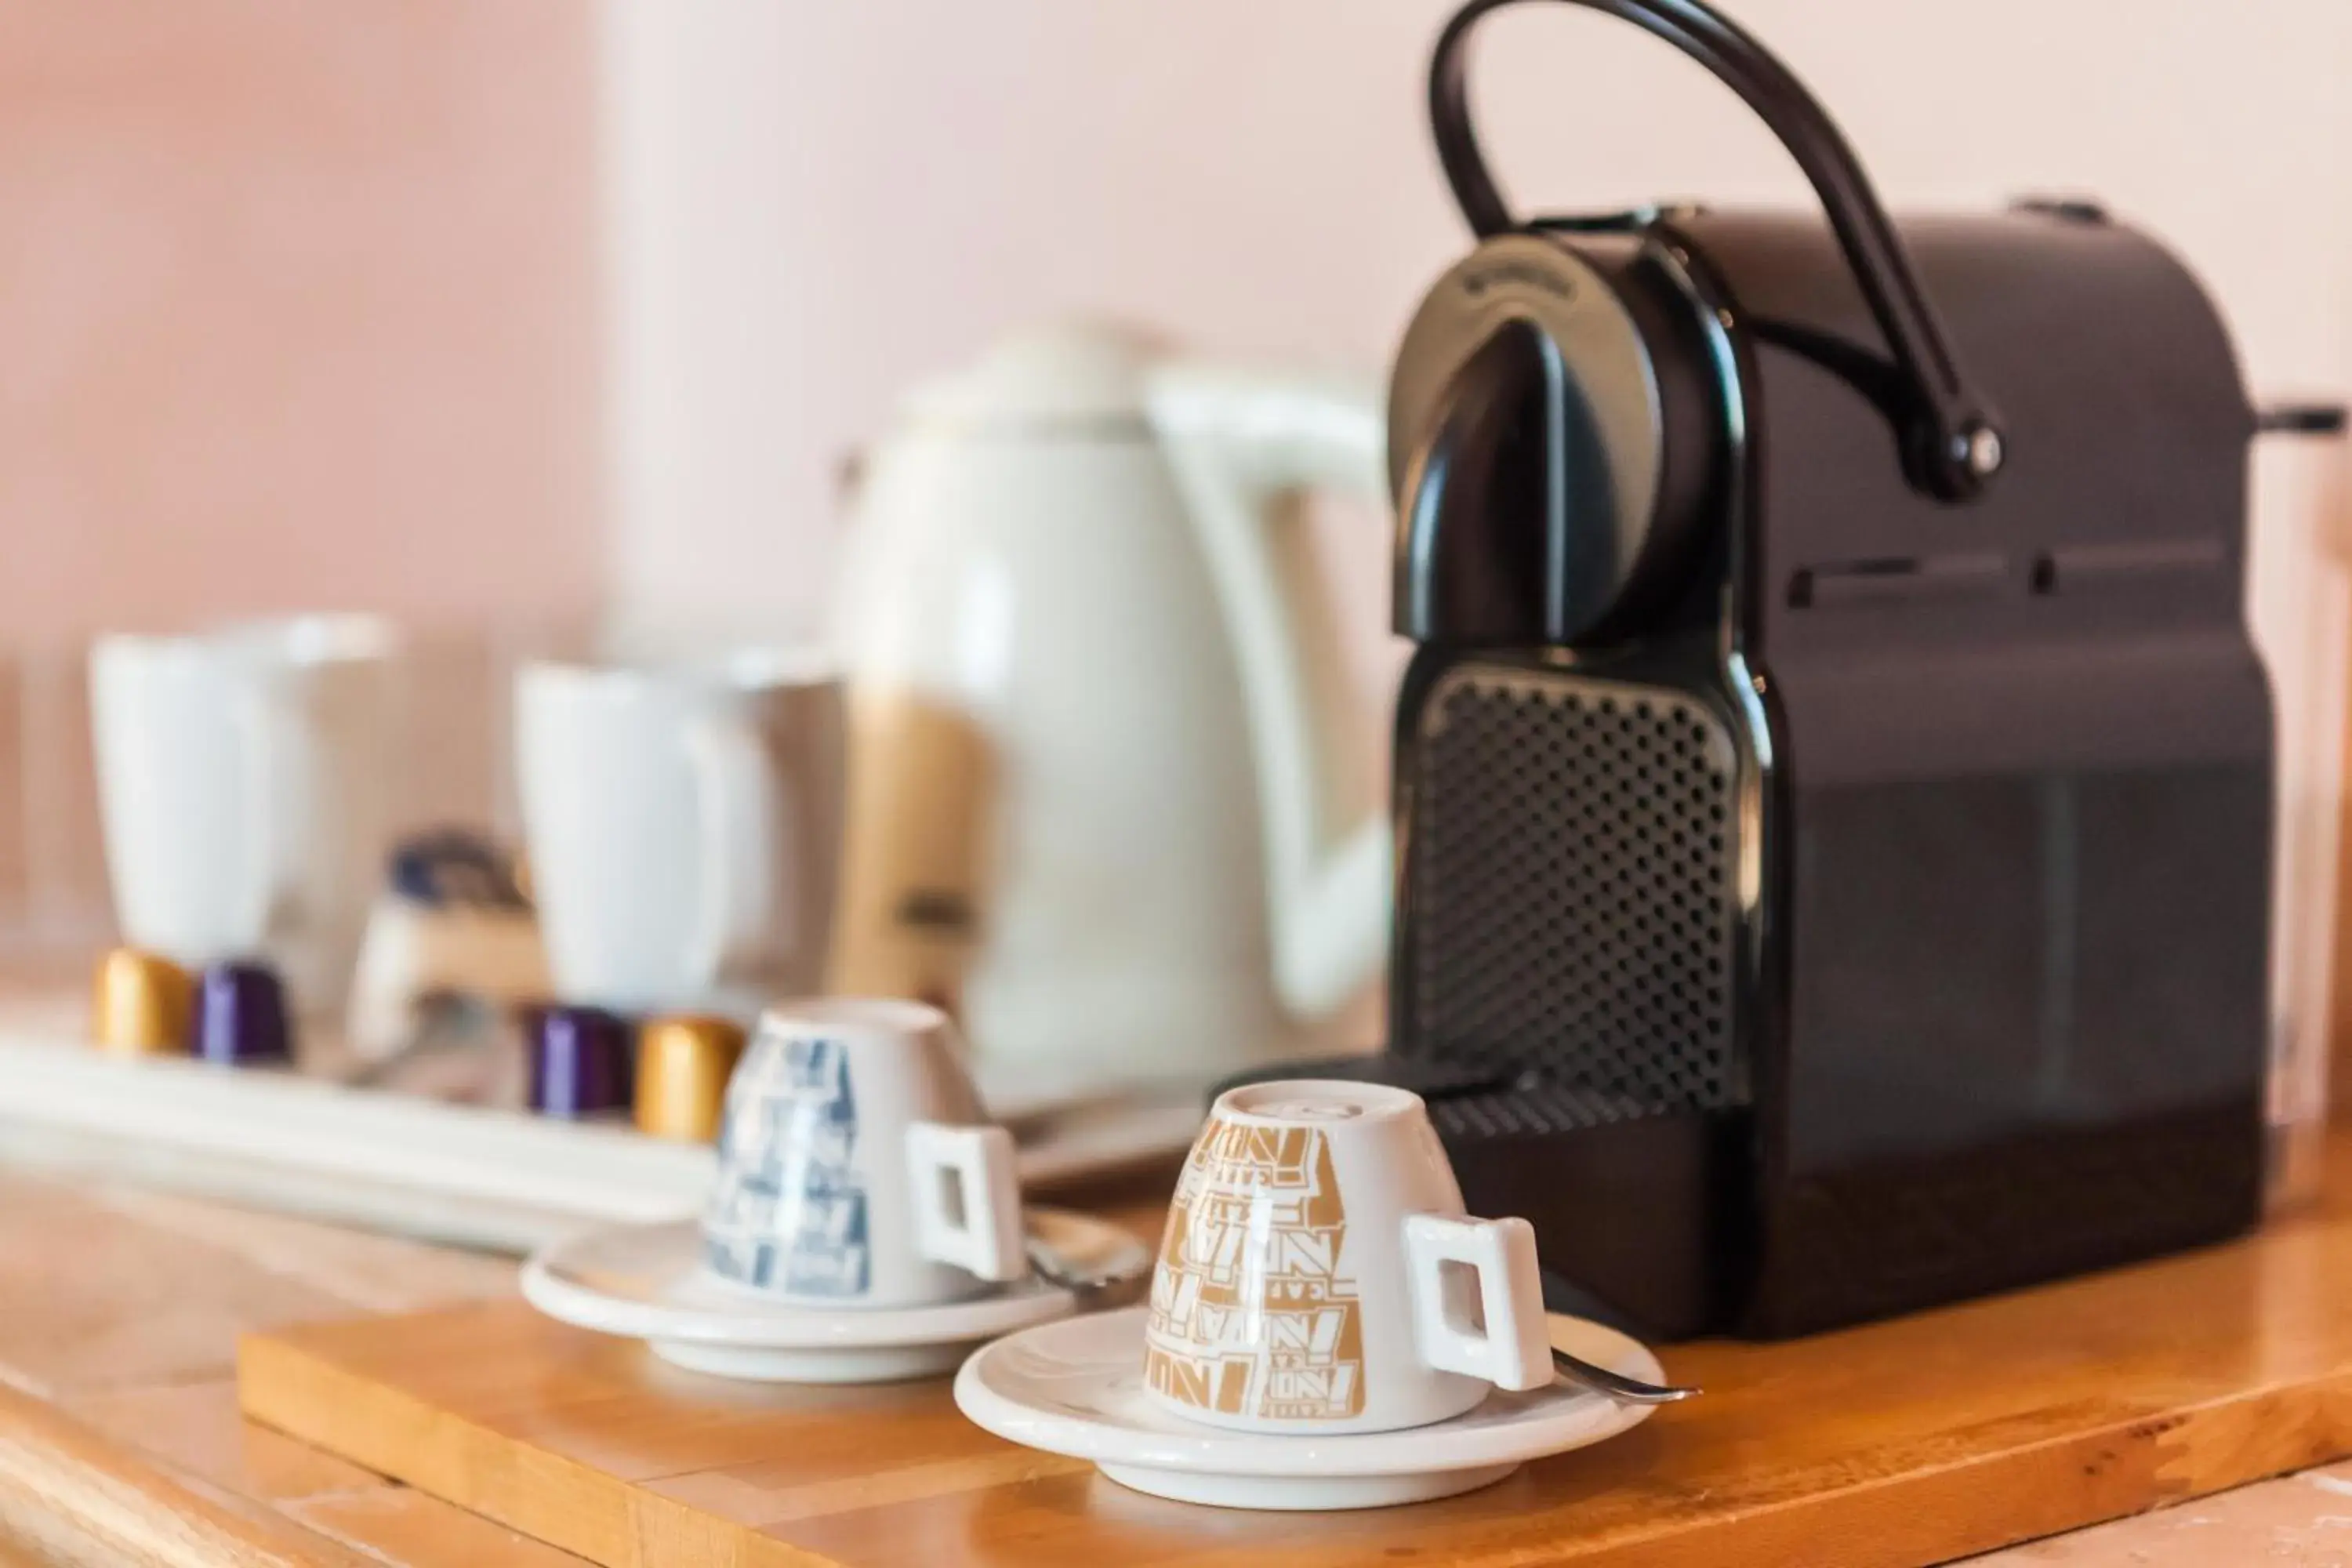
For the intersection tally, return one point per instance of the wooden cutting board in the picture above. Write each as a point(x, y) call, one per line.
point(1900, 1444)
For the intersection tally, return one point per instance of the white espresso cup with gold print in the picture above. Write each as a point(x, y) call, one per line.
point(1318, 1274)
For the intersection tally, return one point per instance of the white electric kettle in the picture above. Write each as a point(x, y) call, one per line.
point(1098, 801)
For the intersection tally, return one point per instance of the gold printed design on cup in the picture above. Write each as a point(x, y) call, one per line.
point(1250, 1314)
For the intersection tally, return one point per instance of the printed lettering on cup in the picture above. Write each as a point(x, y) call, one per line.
point(793, 1217)
point(1251, 1314)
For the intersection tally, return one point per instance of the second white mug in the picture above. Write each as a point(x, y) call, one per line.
point(681, 823)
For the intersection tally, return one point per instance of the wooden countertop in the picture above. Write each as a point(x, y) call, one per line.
point(120, 1441)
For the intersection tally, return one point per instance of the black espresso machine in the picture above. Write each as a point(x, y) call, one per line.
point(1833, 786)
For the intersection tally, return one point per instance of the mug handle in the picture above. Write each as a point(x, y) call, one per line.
point(264, 727)
point(735, 786)
point(808, 770)
point(1515, 1350)
point(981, 1231)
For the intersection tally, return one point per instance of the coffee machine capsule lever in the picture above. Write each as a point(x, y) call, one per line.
point(1953, 441)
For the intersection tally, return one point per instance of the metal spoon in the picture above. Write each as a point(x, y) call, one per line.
point(1615, 1384)
point(1102, 1267)
point(1095, 1289)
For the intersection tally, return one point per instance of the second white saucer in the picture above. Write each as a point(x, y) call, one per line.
point(1076, 1388)
point(647, 1283)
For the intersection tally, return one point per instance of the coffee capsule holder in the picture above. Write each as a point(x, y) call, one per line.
point(428, 1155)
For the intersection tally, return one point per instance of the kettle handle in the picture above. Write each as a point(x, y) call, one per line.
point(1238, 443)
point(1955, 443)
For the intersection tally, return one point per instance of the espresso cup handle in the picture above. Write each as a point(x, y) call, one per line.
point(1514, 1350)
point(966, 1199)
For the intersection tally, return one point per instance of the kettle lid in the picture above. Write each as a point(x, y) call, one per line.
point(1041, 379)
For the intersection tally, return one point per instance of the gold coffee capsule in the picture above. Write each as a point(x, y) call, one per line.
point(141, 1004)
point(683, 1065)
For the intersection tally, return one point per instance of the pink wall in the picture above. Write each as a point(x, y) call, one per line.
point(297, 306)
point(815, 205)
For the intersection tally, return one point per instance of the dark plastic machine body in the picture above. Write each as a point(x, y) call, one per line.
point(1877, 915)
point(1829, 886)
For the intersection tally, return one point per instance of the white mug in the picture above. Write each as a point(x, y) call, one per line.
point(681, 823)
point(856, 1165)
point(1318, 1275)
point(244, 789)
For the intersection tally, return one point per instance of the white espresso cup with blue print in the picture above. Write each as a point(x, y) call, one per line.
point(856, 1167)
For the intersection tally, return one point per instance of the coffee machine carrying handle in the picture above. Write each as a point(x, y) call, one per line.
point(1954, 444)
point(1239, 443)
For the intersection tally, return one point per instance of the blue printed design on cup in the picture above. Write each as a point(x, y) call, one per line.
point(789, 1213)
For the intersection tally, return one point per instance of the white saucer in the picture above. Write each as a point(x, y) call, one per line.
point(647, 1283)
point(1076, 1387)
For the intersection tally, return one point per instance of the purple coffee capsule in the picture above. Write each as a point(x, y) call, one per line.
point(241, 1018)
point(581, 1059)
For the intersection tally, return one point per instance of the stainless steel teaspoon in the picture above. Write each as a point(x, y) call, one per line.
point(1615, 1384)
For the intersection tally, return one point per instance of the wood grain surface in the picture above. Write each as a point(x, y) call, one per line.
point(120, 1441)
point(118, 1311)
point(1904, 1443)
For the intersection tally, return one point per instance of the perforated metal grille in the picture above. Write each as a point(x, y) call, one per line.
point(1573, 865)
point(1531, 1107)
